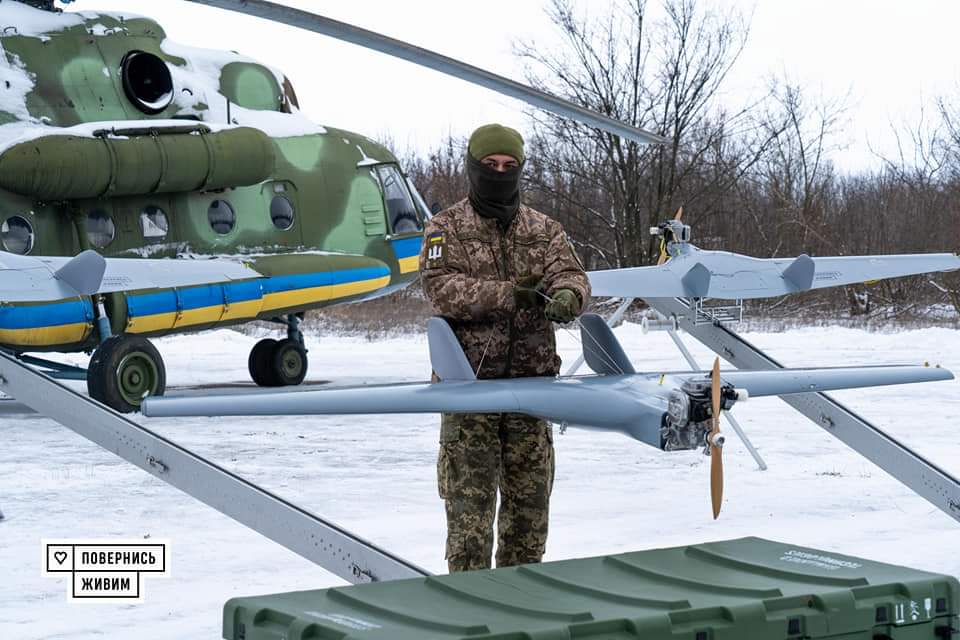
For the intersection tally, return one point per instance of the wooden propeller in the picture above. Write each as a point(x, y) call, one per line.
point(716, 448)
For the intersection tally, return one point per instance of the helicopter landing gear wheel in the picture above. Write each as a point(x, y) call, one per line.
point(290, 362)
point(274, 363)
point(260, 364)
point(123, 371)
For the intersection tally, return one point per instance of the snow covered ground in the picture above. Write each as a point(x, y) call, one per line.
point(375, 475)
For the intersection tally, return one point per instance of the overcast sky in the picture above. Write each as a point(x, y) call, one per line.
point(892, 58)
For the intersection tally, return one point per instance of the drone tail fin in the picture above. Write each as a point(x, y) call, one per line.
point(601, 350)
point(800, 272)
point(446, 355)
point(696, 282)
point(84, 272)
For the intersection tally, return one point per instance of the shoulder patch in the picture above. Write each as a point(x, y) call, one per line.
point(436, 246)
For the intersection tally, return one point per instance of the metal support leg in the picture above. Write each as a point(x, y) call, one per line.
point(292, 323)
point(612, 321)
point(54, 369)
point(103, 321)
point(293, 327)
point(733, 421)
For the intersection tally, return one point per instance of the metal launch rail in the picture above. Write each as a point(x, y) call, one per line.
point(342, 553)
point(919, 474)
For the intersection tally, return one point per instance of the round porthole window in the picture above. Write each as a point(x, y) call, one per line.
point(153, 222)
point(281, 212)
point(147, 81)
point(16, 234)
point(100, 228)
point(221, 216)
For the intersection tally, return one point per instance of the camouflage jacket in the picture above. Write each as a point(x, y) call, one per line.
point(468, 267)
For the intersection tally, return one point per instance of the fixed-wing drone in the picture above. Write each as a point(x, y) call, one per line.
point(686, 271)
point(667, 410)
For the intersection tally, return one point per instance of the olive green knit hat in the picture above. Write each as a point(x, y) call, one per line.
point(496, 138)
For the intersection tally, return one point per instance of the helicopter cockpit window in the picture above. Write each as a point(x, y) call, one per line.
point(100, 228)
point(16, 233)
point(147, 81)
point(401, 211)
point(221, 216)
point(425, 213)
point(153, 222)
point(281, 212)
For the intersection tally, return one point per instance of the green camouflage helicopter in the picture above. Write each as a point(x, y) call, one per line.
point(117, 140)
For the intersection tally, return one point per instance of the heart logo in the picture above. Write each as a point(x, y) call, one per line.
point(60, 556)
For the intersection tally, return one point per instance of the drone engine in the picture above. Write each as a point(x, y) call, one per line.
point(46, 5)
point(689, 414)
point(672, 231)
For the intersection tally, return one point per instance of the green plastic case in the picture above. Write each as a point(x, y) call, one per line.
point(746, 589)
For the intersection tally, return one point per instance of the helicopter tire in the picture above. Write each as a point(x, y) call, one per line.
point(260, 364)
point(123, 371)
point(289, 362)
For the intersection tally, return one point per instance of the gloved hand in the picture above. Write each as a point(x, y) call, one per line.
point(526, 291)
point(564, 307)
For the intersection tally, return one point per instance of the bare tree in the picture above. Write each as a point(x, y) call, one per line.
point(950, 145)
point(440, 176)
point(664, 77)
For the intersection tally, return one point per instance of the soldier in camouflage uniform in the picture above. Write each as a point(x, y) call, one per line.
point(499, 272)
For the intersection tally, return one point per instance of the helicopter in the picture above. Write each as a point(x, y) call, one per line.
point(115, 139)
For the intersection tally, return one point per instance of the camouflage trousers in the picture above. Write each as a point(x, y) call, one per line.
point(479, 454)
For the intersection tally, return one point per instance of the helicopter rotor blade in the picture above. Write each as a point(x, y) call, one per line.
point(438, 62)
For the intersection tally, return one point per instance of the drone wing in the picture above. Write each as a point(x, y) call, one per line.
point(37, 279)
point(832, 272)
point(631, 403)
point(784, 382)
point(730, 276)
point(598, 401)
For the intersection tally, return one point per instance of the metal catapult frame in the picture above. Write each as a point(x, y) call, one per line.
point(357, 560)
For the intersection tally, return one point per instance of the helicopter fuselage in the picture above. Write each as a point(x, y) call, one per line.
point(116, 139)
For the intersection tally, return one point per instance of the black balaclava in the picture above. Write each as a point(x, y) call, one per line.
point(494, 194)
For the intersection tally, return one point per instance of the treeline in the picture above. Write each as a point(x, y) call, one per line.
point(756, 179)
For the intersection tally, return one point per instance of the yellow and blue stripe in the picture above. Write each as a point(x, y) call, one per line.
point(407, 252)
point(41, 325)
point(70, 322)
point(210, 304)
